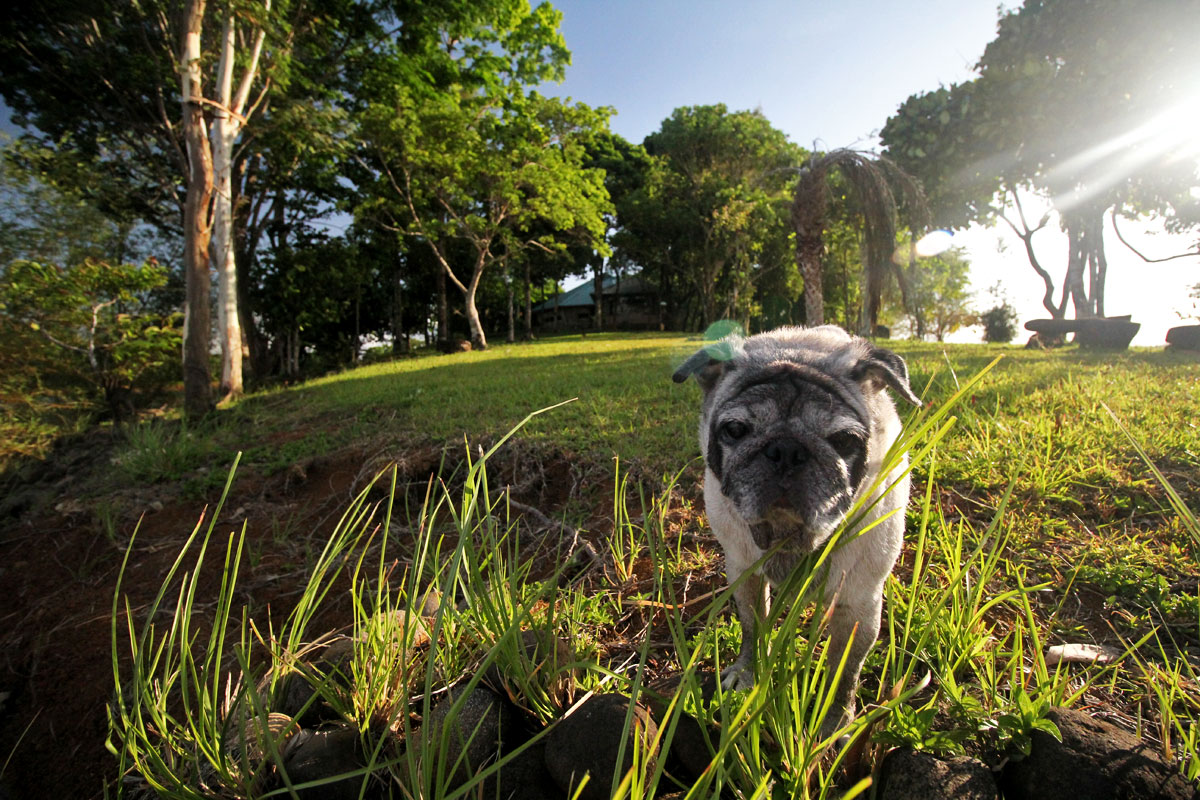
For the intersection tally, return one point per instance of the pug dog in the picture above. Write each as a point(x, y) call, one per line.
point(794, 427)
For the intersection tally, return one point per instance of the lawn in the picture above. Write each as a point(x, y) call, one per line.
point(1037, 519)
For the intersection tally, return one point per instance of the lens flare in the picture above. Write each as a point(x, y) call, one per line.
point(934, 243)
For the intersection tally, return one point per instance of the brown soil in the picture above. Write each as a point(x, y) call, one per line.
point(59, 567)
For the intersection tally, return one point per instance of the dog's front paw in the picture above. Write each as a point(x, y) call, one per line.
point(737, 676)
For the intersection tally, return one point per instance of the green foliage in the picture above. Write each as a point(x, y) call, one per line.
point(938, 300)
point(914, 727)
point(81, 336)
point(932, 136)
point(710, 221)
point(471, 157)
point(1080, 103)
point(1025, 716)
point(469, 547)
point(160, 451)
point(999, 323)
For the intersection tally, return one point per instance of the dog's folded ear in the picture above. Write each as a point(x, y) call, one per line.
point(881, 368)
point(708, 364)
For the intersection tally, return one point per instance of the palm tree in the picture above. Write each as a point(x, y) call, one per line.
point(875, 182)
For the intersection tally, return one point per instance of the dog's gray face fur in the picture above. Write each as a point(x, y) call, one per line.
point(794, 427)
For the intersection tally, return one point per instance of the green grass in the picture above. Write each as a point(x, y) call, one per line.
point(1057, 507)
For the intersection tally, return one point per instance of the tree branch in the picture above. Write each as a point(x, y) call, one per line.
point(1138, 253)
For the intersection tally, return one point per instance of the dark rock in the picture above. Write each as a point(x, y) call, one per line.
point(327, 755)
point(1095, 760)
point(260, 737)
point(1184, 337)
point(690, 750)
point(473, 734)
point(454, 346)
point(1110, 333)
point(20, 501)
point(524, 777)
point(910, 775)
point(589, 740)
point(302, 693)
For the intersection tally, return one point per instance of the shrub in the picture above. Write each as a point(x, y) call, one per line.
point(81, 339)
point(999, 323)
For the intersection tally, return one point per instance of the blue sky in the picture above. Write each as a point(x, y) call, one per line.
point(830, 74)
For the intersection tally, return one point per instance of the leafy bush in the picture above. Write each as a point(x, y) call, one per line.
point(80, 339)
point(999, 323)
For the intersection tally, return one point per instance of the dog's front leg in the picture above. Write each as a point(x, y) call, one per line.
point(752, 601)
point(854, 624)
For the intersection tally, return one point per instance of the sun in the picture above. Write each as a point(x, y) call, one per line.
point(1168, 140)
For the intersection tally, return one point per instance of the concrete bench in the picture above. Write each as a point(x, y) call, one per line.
point(1107, 333)
point(1184, 337)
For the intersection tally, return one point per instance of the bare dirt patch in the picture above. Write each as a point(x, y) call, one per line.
point(62, 541)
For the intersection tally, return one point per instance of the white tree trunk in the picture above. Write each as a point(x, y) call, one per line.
point(196, 336)
point(226, 127)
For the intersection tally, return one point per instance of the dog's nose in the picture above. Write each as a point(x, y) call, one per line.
point(785, 454)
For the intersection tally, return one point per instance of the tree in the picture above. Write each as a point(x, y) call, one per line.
point(197, 231)
point(468, 155)
point(83, 329)
point(229, 117)
point(129, 66)
point(711, 205)
point(874, 182)
point(625, 166)
point(939, 297)
point(1080, 103)
point(50, 222)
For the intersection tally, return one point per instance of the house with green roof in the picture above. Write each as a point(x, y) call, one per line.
point(629, 303)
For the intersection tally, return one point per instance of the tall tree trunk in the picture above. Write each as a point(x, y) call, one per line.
point(808, 259)
point(528, 303)
point(227, 124)
point(255, 350)
point(253, 339)
point(478, 339)
point(356, 342)
point(598, 291)
point(225, 130)
point(197, 394)
point(399, 333)
point(443, 311)
point(1078, 258)
point(512, 322)
point(664, 287)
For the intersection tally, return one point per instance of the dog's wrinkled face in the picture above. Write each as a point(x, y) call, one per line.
point(790, 424)
point(790, 453)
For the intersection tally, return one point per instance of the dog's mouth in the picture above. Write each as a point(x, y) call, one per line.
point(781, 526)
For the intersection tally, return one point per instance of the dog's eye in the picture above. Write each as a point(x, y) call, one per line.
point(734, 429)
point(846, 444)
